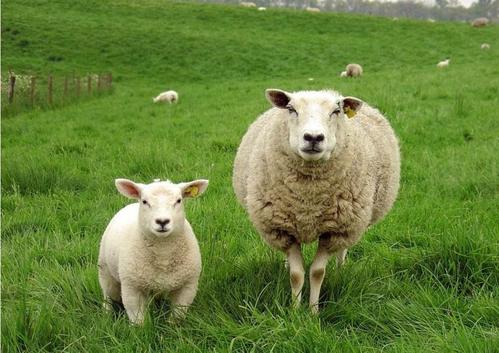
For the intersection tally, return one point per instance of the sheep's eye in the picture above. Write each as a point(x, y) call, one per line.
point(179, 200)
point(291, 110)
point(336, 111)
point(144, 202)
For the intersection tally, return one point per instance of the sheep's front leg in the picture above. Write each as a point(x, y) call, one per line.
point(340, 257)
point(317, 273)
point(296, 272)
point(134, 302)
point(181, 299)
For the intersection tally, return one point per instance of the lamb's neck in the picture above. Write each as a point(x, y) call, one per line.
point(157, 244)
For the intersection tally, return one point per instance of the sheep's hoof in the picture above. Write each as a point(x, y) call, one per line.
point(314, 308)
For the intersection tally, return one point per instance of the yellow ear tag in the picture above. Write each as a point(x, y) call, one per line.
point(192, 191)
point(349, 112)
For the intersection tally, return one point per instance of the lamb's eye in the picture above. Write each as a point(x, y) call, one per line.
point(179, 200)
point(144, 202)
point(291, 110)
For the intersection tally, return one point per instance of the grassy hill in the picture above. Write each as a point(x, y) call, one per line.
point(424, 279)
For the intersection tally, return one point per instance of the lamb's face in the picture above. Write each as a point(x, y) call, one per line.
point(314, 119)
point(161, 204)
point(161, 210)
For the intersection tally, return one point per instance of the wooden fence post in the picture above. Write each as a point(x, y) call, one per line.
point(49, 92)
point(89, 84)
point(98, 82)
point(12, 85)
point(32, 90)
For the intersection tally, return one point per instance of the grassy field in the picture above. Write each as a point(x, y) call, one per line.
point(426, 279)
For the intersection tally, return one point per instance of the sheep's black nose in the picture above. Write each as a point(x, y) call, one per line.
point(162, 221)
point(313, 138)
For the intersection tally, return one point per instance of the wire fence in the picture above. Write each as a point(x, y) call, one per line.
point(25, 92)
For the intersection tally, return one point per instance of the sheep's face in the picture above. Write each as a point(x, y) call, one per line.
point(161, 204)
point(314, 120)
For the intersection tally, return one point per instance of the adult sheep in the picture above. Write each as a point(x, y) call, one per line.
point(480, 22)
point(354, 70)
point(305, 171)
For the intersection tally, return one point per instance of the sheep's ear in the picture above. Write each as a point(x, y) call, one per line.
point(128, 188)
point(351, 106)
point(194, 188)
point(278, 98)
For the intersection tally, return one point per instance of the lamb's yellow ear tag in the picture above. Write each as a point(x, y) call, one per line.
point(192, 191)
point(350, 112)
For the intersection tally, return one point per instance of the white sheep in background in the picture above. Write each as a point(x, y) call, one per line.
point(312, 9)
point(343, 74)
point(306, 172)
point(247, 4)
point(485, 46)
point(443, 64)
point(354, 70)
point(480, 22)
point(262, 9)
point(149, 248)
point(168, 96)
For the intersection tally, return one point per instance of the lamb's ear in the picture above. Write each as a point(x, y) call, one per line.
point(278, 98)
point(128, 188)
point(194, 188)
point(351, 106)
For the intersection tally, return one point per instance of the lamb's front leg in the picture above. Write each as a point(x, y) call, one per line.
point(134, 302)
point(181, 299)
point(296, 272)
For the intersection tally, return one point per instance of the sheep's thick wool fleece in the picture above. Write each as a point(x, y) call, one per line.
point(287, 196)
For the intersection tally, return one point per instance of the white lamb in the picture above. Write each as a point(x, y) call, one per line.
point(149, 248)
point(443, 64)
point(485, 46)
point(343, 74)
point(168, 96)
point(316, 167)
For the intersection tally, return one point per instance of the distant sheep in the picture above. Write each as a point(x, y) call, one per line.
point(443, 63)
point(262, 9)
point(354, 70)
point(312, 9)
point(149, 248)
point(247, 4)
point(317, 167)
point(343, 74)
point(485, 46)
point(480, 22)
point(168, 96)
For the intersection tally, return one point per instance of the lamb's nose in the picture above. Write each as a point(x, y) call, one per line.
point(162, 221)
point(313, 138)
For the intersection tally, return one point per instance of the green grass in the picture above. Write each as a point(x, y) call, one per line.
point(424, 279)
